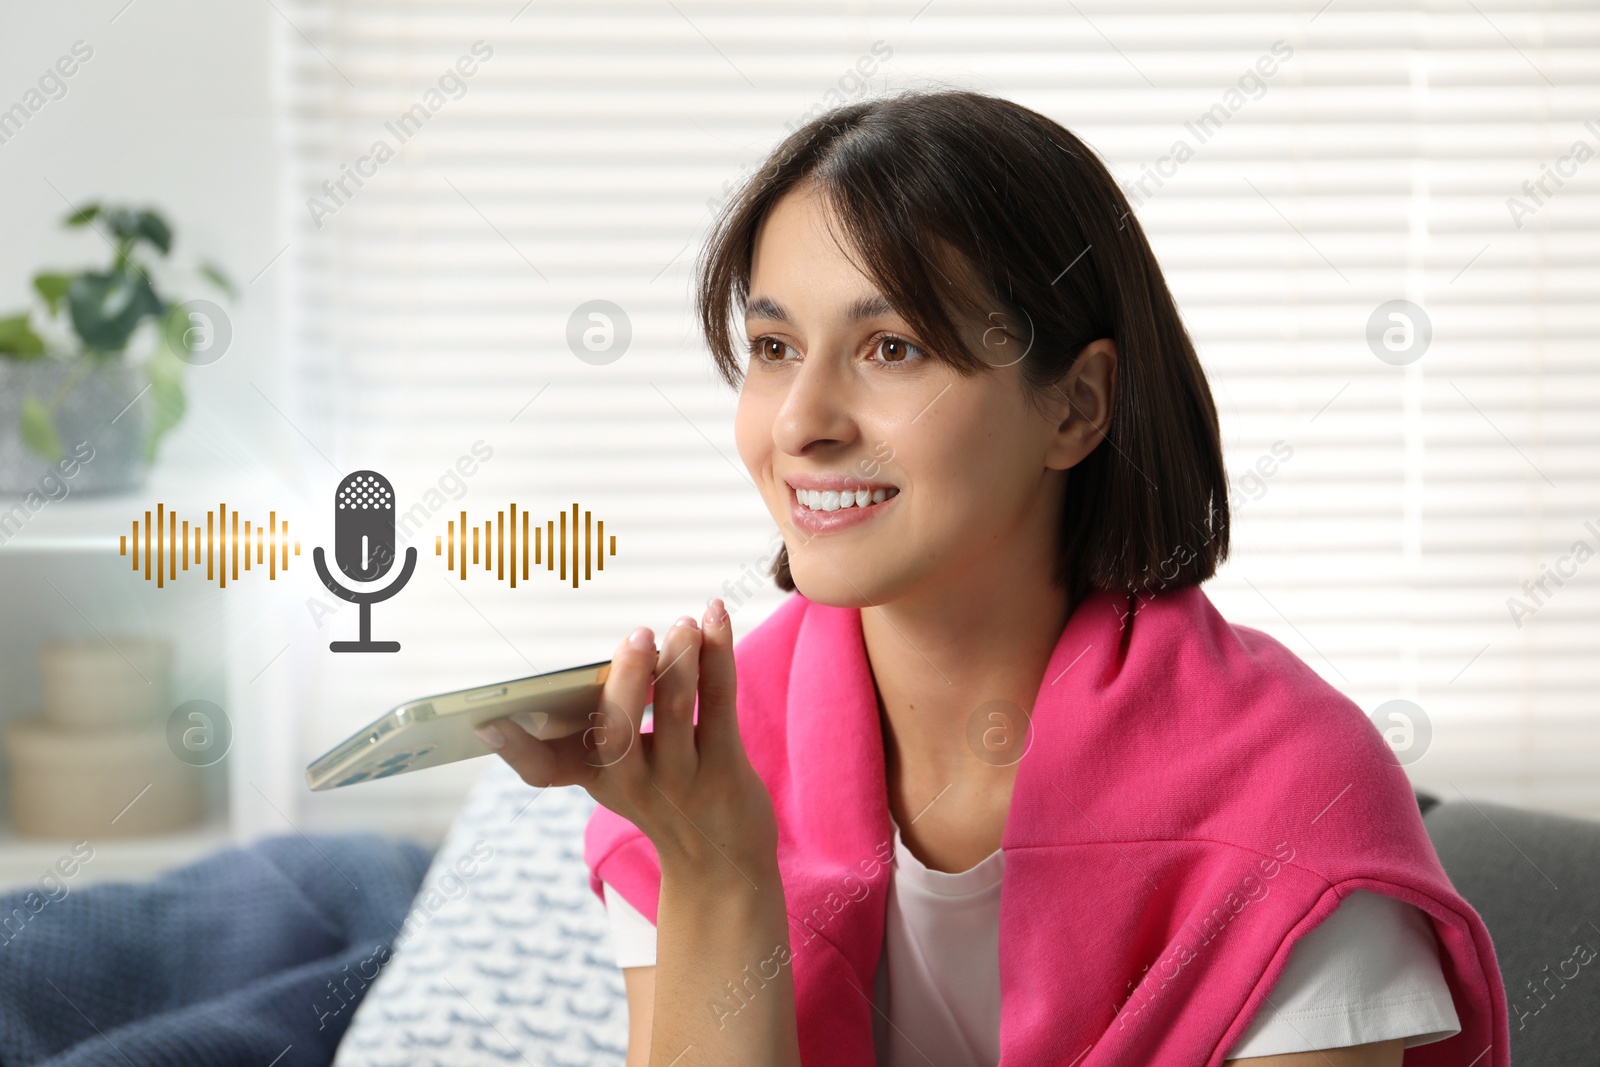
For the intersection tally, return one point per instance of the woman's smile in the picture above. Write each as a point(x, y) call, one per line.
point(824, 503)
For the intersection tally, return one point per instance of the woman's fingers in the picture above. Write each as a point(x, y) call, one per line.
point(612, 736)
point(539, 763)
point(677, 674)
point(695, 668)
point(719, 718)
point(608, 741)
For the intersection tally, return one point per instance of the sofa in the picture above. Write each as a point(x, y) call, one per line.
point(1535, 880)
point(520, 961)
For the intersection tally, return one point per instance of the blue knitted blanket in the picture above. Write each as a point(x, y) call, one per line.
point(250, 956)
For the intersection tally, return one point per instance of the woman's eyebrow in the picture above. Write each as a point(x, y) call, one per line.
point(865, 307)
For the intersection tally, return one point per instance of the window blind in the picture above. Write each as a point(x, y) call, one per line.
point(1378, 220)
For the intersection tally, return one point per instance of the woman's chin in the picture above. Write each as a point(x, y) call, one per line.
point(852, 583)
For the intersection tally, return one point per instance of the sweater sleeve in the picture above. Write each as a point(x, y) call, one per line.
point(1370, 972)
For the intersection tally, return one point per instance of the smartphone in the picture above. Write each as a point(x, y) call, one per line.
point(438, 729)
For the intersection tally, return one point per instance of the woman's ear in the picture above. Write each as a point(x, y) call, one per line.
point(1083, 404)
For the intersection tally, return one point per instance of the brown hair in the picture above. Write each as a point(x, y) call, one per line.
point(936, 190)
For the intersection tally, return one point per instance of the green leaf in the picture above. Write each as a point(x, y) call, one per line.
point(52, 287)
point(107, 307)
point(166, 395)
point(17, 338)
point(122, 221)
point(39, 429)
point(214, 274)
point(153, 228)
point(130, 226)
point(84, 215)
point(172, 337)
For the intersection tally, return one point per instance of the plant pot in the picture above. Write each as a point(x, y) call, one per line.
point(98, 412)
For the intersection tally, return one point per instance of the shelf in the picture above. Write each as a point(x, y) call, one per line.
point(24, 860)
point(95, 522)
point(62, 577)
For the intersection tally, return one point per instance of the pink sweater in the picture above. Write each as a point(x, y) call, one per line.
point(1195, 798)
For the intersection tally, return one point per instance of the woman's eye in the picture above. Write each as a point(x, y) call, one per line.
point(893, 349)
point(769, 349)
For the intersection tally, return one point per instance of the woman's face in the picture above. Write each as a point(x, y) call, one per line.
point(840, 402)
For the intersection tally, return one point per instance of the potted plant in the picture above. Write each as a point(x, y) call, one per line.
point(94, 368)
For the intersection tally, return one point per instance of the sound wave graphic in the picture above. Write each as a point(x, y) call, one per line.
point(500, 540)
point(169, 551)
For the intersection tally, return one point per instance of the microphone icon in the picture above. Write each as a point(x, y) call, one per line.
point(363, 546)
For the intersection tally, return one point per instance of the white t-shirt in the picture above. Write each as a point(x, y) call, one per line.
point(1369, 972)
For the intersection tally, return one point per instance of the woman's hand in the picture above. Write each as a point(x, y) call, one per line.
point(688, 786)
point(692, 789)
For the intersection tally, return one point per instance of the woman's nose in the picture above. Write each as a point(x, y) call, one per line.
point(815, 410)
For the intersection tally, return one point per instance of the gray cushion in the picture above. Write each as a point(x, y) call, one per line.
point(1535, 880)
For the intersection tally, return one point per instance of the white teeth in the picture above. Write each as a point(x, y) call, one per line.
point(835, 499)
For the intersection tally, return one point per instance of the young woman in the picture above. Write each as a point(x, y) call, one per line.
point(996, 784)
